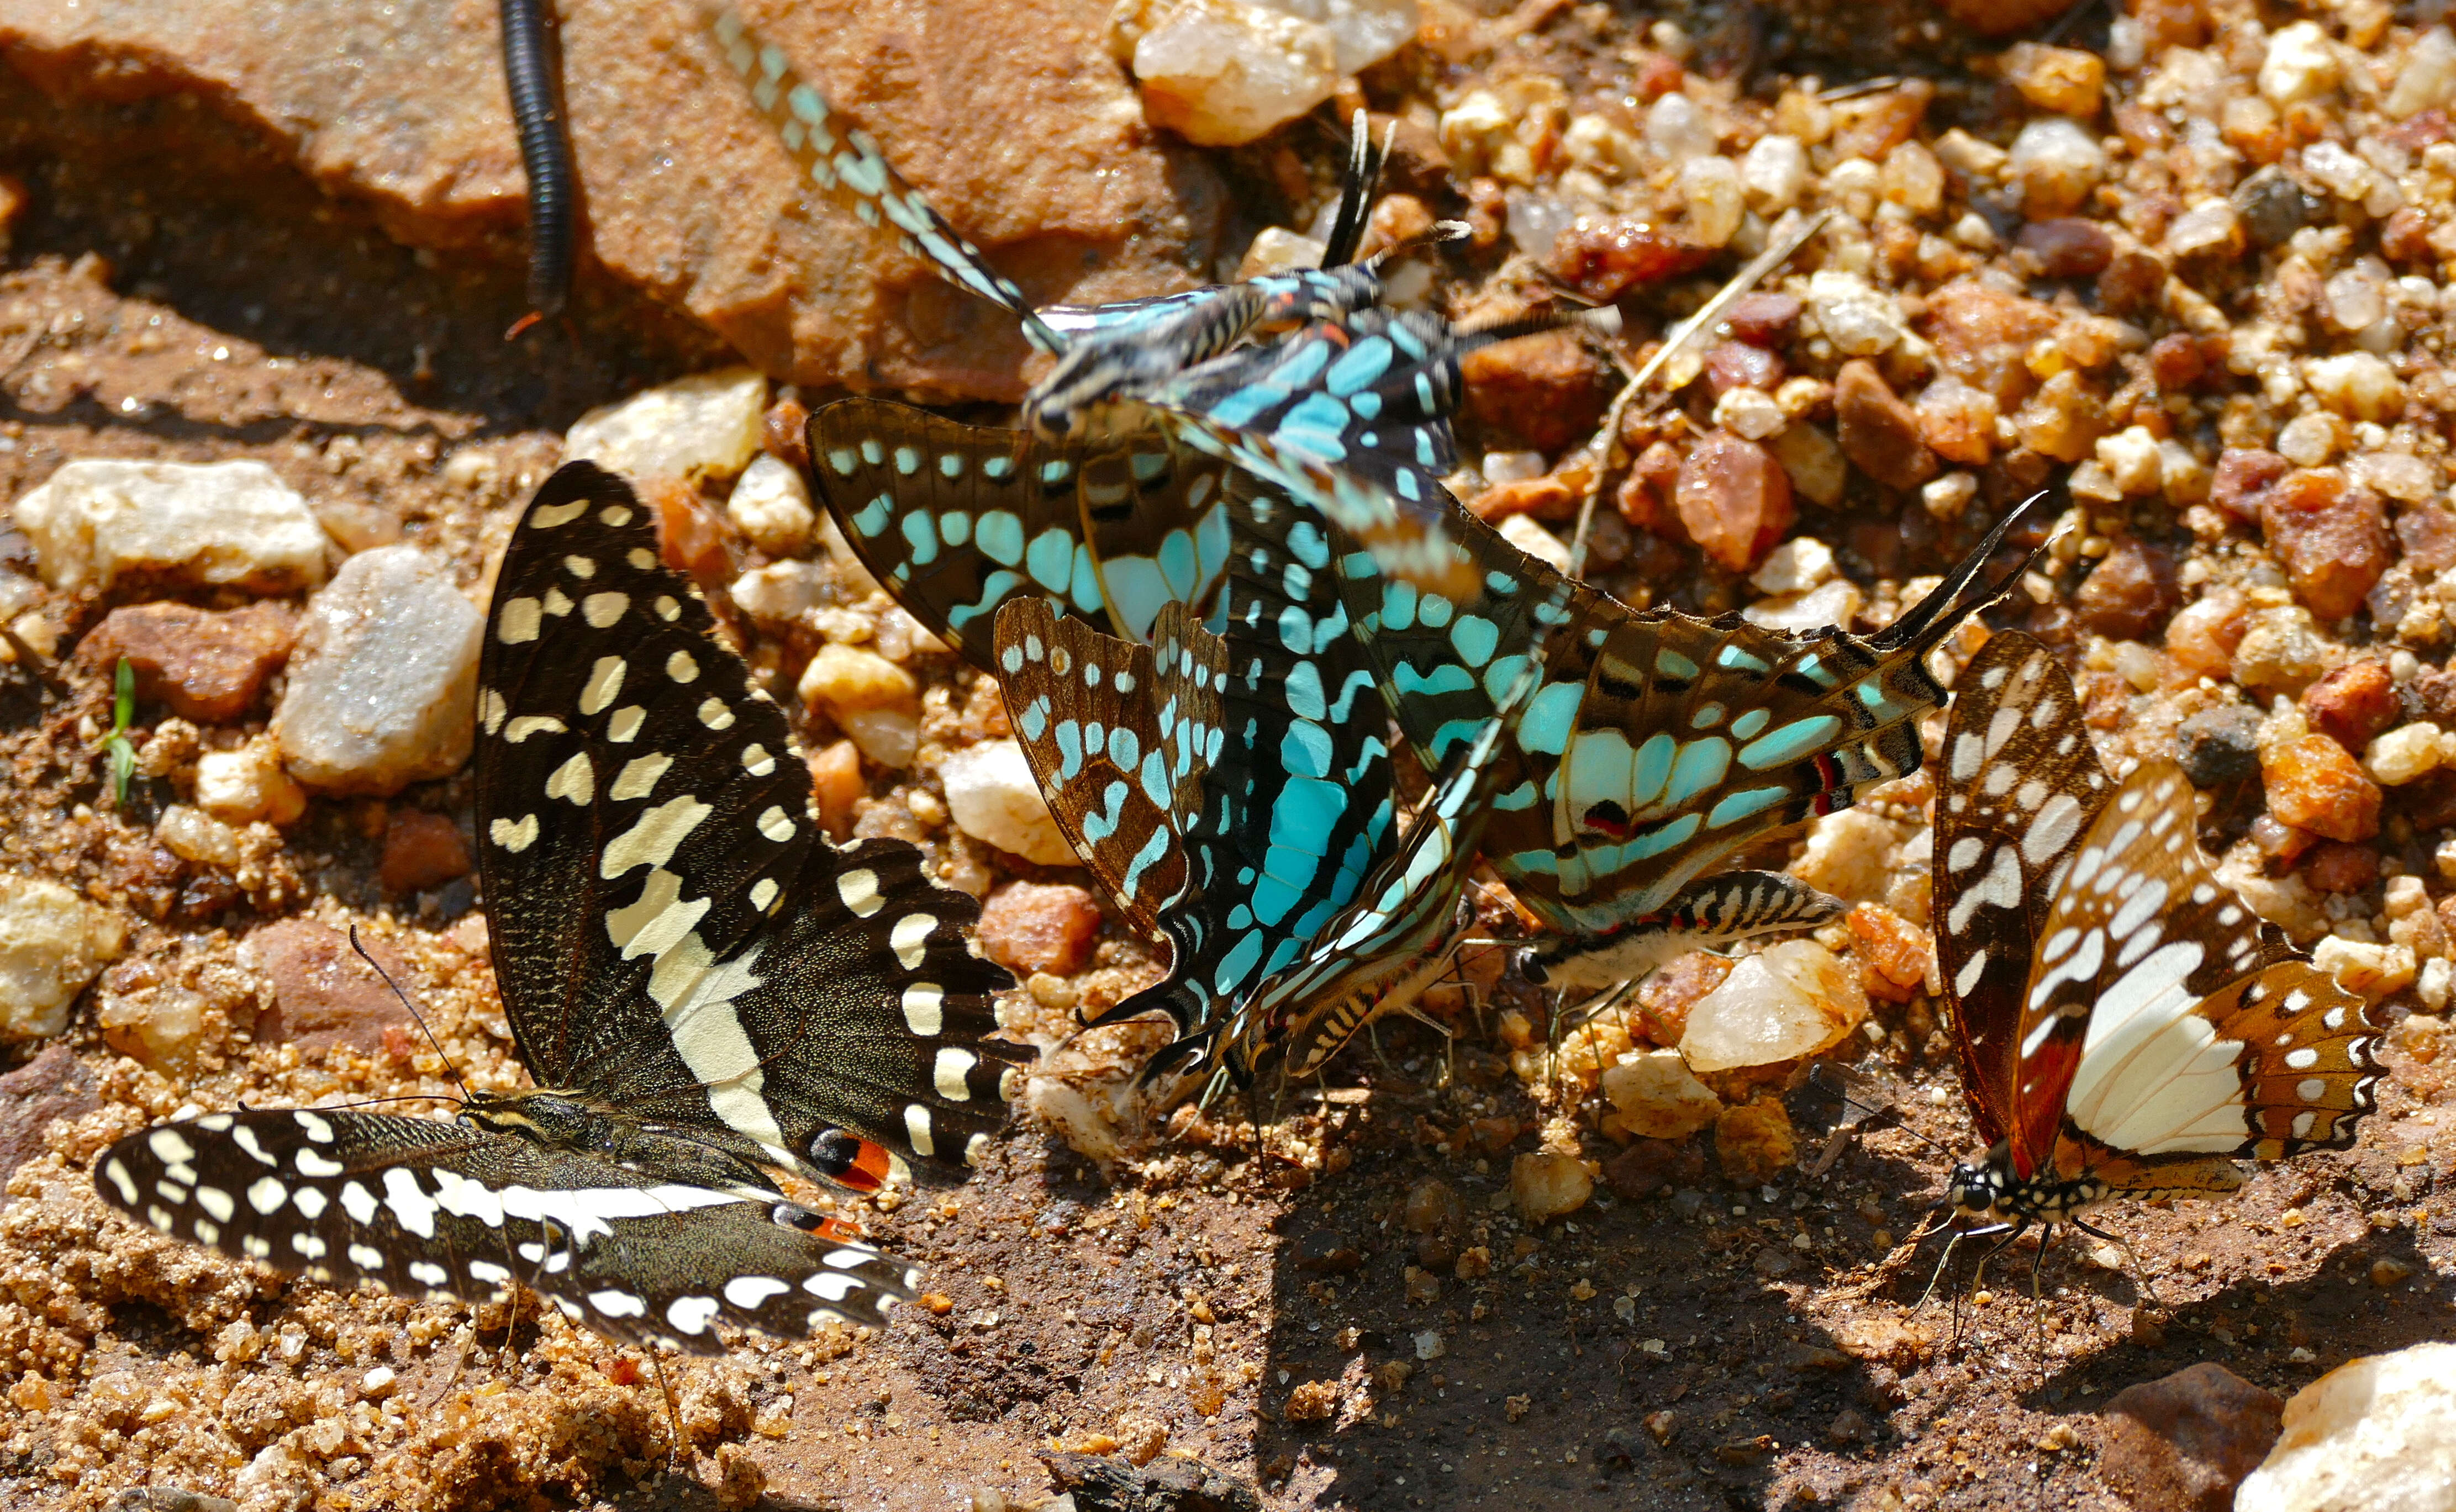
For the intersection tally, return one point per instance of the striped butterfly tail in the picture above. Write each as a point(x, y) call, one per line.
point(433, 1210)
point(957, 521)
point(1711, 913)
point(840, 160)
point(2125, 1015)
point(672, 932)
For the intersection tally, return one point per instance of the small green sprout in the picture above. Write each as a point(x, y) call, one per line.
point(123, 711)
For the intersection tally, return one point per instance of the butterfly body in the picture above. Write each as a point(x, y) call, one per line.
point(2127, 1027)
point(703, 987)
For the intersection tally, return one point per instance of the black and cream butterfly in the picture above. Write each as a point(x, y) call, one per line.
point(702, 986)
point(2126, 1024)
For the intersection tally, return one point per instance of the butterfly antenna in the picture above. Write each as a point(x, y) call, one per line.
point(385, 978)
point(2131, 1258)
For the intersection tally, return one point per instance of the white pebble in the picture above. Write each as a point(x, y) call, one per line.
point(2377, 1432)
point(384, 684)
point(1221, 73)
point(2301, 64)
point(220, 522)
point(771, 506)
point(52, 944)
point(994, 799)
point(706, 425)
point(1776, 170)
point(1792, 1000)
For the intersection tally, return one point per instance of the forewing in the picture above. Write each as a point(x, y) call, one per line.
point(2205, 1031)
point(839, 159)
point(670, 931)
point(424, 1209)
point(2019, 787)
point(956, 519)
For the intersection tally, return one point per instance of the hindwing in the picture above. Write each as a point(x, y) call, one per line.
point(423, 1209)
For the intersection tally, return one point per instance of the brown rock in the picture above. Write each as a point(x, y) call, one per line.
point(1664, 1002)
point(1763, 319)
point(2330, 537)
point(421, 850)
point(1896, 952)
point(1998, 18)
point(1982, 335)
point(993, 112)
point(692, 536)
point(1029, 926)
point(2428, 533)
point(209, 667)
point(1647, 1166)
point(1733, 499)
point(2176, 362)
point(1645, 496)
point(2188, 1439)
point(2065, 247)
point(2353, 703)
point(324, 996)
point(53, 1085)
point(2314, 783)
point(1754, 1142)
point(2131, 592)
point(1550, 497)
point(1548, 390)
point(1737, 364)
point(2244, 478)
point(1874, 125)
point(1877, 430)
point(1958, 422)
point(2334, 867)
point(837, 786)
point(2203, 636)
point(1604, 259)
point(2065, 419)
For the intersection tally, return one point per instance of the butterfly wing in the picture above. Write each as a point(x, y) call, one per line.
point(1118, 738)
point(2019, 787)
point(956, 519)
point(671, 932)
point(2193, 1029)
point(426, 1209)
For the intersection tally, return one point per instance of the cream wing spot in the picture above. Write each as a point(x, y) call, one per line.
point(575, 780)
point(757, 760)
point(859, 891)
point(713, 714)
point(624, 727)
point(518, 622)
point(762, 893)
point(601, 609)
point(910, 939)
point(638, 777)
point(925, 1009)
point(682, 667)
point(605, 681)
point(917, 1129)
point(948, 1073)
point(514, 835)
point(775, 825)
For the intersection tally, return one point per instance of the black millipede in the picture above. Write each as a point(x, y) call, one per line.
point(530, 72)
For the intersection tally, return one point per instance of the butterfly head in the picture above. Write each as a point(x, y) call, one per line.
point(1083, 397)
point(1989, 1192)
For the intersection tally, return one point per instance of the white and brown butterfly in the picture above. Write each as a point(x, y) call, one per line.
point(2127, 1026)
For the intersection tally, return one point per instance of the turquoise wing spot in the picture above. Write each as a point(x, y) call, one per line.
point(1550, 715)
point(1701, 765)
point(842, 459)
point(993, 591)
point(1739, 661)
point(951, 465)
point(1050, 560)
point(873, 454)
point(1812, 666)
point(921, 537)
point(1748, 724)
point(1447, 678)
point(1304, 692)
point(1306, 751)
point(1602, 769)
point(1239, 410)
point(955, 527)
point(1000, 537)
point(1159, 784)
point(1873, 695)
point(997, 469)
point(1501, 675)
point(1473, 637)
point(1712, 715)
point(1070, 749)
point(1397, 605)
point(873, 517)
point(1317, 424)
point(907, 461)
point(1651, 770)
point(1179, 565)
point(1149, 856)
point(1085, 588)
point(1211, 544)
point(1361, 367)
point(1136, 591)
point(1790, 743)
point(1668, 663)
point(1056, 472)
point(1035, 721)
point(1434, 612)
point(1743, 803)
point(1658, 840)
point(1237, 964)
point(1520, 797)
point(1500, 585)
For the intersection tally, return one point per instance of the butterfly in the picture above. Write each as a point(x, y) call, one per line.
point(702, 988)
point(1119, 368)
point(2127, 1027)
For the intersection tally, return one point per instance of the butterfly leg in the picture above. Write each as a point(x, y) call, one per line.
point(676, 1453)
point(2131, 1258)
